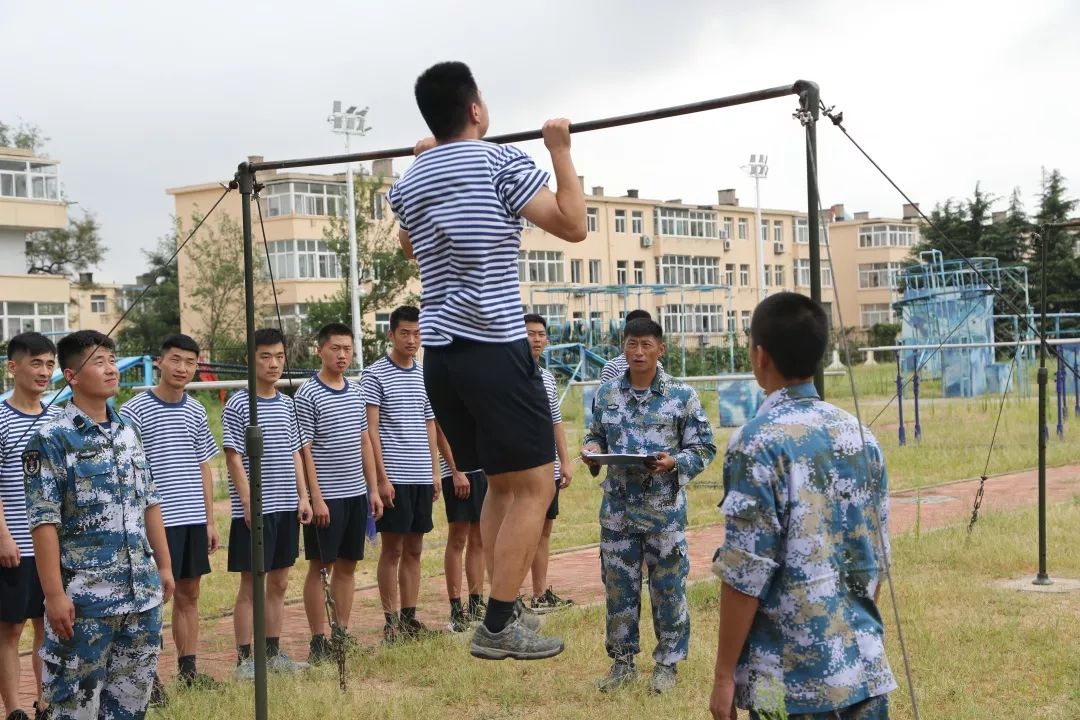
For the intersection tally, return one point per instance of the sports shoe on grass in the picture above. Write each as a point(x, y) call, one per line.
point(476, 615)
point(413, 629)
point(158, 698)
point(663, 678)
point(516, 641)
point(245, 670)
point(282, 663)
point(320, 650)
point(200, 681)
point(18, 715)
point(548, 601)
point(622, 673)
point(459, 621)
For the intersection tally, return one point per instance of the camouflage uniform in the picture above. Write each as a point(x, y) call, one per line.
point(643, 515)
point(806, 511)
point(95, 487)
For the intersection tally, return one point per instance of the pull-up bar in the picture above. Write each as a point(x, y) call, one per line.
point(809, 106)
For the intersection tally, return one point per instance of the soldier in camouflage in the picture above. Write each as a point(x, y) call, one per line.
point(643, 512)
point(97, 531)
point(806, 536)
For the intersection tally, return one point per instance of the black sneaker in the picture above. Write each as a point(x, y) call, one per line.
point(477, 612)
point(158, 698)
point(459, 621)
point(413, 629)
point(392, 633)
point(18, 714)
point(548, 601)
point(200, 681)
point(319, 650)
point(41, 713)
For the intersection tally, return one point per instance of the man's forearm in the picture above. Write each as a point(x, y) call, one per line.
point(47, 557)
point(368, 457)
point(569, 195)
point(208, 491)
point(444, 448)
point(235, 466)
point(560, 445)
point(312, 477)
point(737, 611)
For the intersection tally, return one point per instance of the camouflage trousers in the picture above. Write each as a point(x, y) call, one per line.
point(875, 708)
point(664, 554)
point(105, 670)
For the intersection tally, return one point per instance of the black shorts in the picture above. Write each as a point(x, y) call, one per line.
point(343, 539)
point(281, 542)
point(467, 510)
point(412, 509)
point(21, 597)
point(553, 508)
point(189, 550)
point(490, 401)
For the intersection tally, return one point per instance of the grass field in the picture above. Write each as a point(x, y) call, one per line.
point(978, 651)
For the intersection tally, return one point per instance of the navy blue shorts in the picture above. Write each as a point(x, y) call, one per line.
point(281, 542)
point(21, 598)
point(343, 539)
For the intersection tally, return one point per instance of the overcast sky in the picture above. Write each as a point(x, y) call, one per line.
point(140, 96)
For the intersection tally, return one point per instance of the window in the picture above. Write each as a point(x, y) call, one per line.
point(682, 222)
point(766, 274)
point(620, 272)
point(294, 317)
point(764, 228)
point(728, 226)
point(802, 231)
point(731, 321)
point(778, 276)
point(875, 313)
point(307, 259)
point(744, 275)
point(28, 179)
point(620, 221)
point(307, 198)
point(378, 205)
point(802, 272)
point(594, 272)
point(689, 270)
point(879, 275)
point(592, 219)
point(729, 274)
point(382, 323)
point(19, 317)
point(545, 266)
point(639, 272)
point(554, 314)
point(696, 319)
point(98, 303)
point(637, 222)
point(742, 228)
point(777, 231)
point(575, 271)
point(826, 276)
point(886, 236)
point(746, 320)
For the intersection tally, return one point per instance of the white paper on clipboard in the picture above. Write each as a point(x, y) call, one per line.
point(617, 458)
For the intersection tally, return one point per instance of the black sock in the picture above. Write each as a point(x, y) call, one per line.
point(474, 602)
point(318, 640)
point(273, 646)
point(455, 605)
point(186, 666)
point(391, 618)
point(408, 614)
point(499, 613)
point(243, 652)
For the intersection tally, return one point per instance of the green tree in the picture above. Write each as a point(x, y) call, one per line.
point(1063, 265)
point(23, 136)
point(957, 227)
point(385, 272)
point(1008, 240)
point(67, 250)
point(157, 314)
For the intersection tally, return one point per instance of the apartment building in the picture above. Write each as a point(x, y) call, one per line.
point(696, 267)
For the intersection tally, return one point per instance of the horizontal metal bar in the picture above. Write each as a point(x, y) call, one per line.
point(960, 346)
point(235, 384)
point(631, 119)
point(706, 378)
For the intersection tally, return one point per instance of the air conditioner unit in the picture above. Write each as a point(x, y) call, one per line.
point(778, 248)
point(727, 245)
point(646, 241)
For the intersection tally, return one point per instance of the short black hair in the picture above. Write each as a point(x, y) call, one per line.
point(534, 318)
point(269, 336)
point(405, 313)
point(180, 342)
point(636, 314)
point(444, 93)
point(794, 330)
point(71, 347)
point(30, 343)
point(643, 327)
point(333, 329)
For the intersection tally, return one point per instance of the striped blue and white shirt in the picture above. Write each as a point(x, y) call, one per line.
point(280, 441)
point(617, 367)
point(177, 439)
point(16, 429)
point(332, 421)
point(404, 410)
point(556, 412)
point(460, 204)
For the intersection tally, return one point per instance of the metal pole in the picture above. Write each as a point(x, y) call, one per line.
point(354, 269)
point(915, 395)
point(1042, 578)
point(253, 446)
point(762, 292)
point(902, 433)
point(809, 99)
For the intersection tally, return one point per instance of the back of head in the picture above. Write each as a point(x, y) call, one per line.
point(405, 313)
point(793, 330)
point(444, 94)
point(534, 318)
point(643, 327)
point(334, 329)
point(71, 348)
point(268, 336)
point(180, 342)
point(29, 344)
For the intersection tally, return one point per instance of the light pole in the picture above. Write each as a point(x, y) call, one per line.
point(758, 168)
point(348, 123)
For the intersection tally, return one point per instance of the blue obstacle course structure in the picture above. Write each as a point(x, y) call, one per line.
point(135, 371)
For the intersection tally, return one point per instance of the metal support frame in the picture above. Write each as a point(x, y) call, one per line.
point(809, 100)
